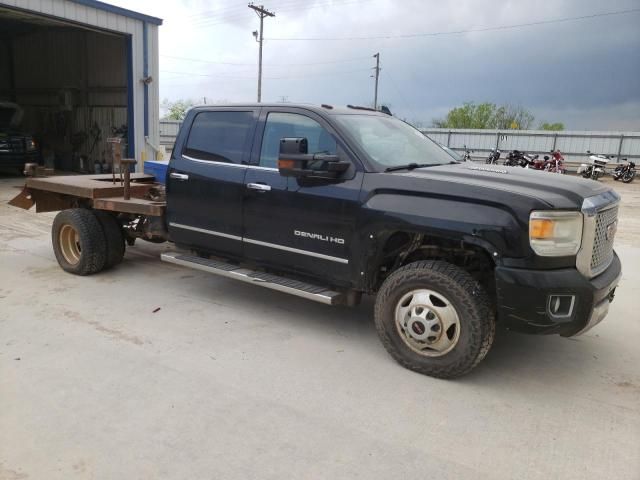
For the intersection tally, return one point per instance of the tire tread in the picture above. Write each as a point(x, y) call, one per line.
point(93, 256)
point(113, 236)
point(475, 301)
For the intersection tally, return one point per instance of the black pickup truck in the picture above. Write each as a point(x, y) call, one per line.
point(17, 148)
point(333, 203)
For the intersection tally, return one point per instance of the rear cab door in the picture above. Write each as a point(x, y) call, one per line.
point(206, 179)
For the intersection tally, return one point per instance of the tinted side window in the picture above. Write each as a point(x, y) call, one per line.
point(219, 136)
point(282, 125)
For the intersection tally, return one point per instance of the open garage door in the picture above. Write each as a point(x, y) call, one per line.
point(72, 84)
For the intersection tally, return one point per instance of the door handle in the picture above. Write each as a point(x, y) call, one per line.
point(261, 187)
point(179, 176)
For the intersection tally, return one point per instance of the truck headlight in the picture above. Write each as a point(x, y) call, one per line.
point(555, 234)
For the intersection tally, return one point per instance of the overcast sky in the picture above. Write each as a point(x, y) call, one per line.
point(585, 73)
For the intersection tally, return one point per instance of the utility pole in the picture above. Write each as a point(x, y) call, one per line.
point(377, 69)
point(261, 12)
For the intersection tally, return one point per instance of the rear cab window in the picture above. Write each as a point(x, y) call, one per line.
point(220, 136)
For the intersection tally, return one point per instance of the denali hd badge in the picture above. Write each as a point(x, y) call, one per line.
point(485, 169)
point(318, 236)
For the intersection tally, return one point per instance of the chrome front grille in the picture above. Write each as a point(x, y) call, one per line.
point(602, 253)
point(600, 215)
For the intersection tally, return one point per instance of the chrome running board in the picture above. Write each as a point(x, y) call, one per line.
point(267, 280)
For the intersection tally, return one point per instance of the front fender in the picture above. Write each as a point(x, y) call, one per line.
point(492, 228)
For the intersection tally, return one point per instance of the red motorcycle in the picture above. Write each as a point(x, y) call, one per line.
point(536, 163)
point(553, 164)
point(556, 163)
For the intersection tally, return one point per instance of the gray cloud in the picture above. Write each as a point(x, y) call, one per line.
point(585, 73)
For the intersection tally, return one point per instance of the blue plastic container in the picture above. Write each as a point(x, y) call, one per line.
point(157, 169)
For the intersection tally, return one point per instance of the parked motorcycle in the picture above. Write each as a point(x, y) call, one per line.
point(539, 163)
point(529, 161)
point(515, 158)
point(625, 172)
point(493, 157)
point(596, 166)
point(467, 154)
point(555, 164)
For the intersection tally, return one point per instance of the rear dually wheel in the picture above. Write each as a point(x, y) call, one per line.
point(78, 241)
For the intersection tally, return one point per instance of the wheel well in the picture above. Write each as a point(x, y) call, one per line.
point(402, 248)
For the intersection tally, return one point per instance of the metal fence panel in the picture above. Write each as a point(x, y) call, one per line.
point(572, 144)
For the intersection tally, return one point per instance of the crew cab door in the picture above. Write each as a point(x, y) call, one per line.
point(205, 182)
point(288, 225)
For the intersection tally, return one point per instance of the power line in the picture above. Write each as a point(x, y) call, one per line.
point(195, 74)
point(190, 59)
point(213, 75)
point(406, 104)
point(325, 3)
point(231, 15)
point(458, 32)
point(235, 64)
point(216, 11)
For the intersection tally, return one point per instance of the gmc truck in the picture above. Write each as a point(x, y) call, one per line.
point(331, 204)
point(17, 148)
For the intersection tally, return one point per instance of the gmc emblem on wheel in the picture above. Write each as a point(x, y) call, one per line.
point(611, 230)
point(318, 236)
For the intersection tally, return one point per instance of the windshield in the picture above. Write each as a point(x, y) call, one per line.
point(390, 142)
point(455, 155)
point(6, 114)
point(10, 115)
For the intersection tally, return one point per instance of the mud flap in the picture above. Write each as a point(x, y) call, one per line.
point(23, 200)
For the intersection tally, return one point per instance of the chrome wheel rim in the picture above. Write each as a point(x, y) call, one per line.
point(70, 244)
point(427, 322)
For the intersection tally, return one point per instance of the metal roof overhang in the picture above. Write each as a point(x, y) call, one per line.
point(119, 11)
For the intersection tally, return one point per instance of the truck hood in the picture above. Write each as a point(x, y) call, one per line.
point(557, 191)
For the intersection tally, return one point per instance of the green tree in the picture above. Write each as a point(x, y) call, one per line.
point(469, 115)
point(558, 126)
point(487, 115)
point(512, 117)
point(176, 110)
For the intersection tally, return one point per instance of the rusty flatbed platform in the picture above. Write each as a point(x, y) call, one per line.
point(138, 206)
point(96, 191)
point(91, 186)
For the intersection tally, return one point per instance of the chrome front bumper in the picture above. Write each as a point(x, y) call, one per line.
point(601, 309)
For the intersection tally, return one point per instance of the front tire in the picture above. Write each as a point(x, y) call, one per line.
point(78, 242)
point(434, 318)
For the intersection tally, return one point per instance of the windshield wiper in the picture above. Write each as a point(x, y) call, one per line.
point(408, 166)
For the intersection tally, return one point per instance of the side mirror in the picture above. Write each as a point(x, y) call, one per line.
point(295, 161)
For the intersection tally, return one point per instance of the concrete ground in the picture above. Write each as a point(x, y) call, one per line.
point(231, 381)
